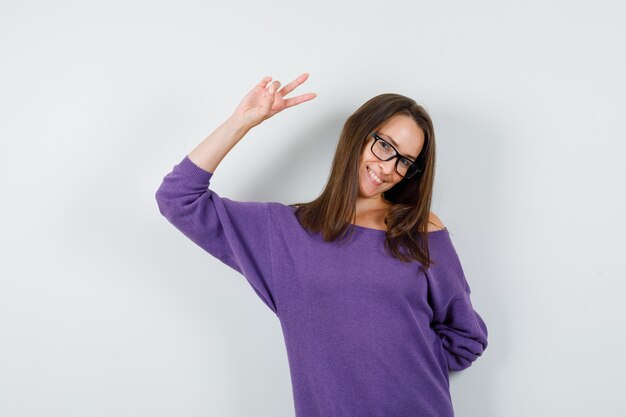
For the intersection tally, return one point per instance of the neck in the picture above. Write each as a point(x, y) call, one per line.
point(372, 205)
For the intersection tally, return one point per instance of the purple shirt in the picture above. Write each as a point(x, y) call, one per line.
point(366, 334)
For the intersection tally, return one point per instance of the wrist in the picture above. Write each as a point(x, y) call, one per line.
point(237, 123)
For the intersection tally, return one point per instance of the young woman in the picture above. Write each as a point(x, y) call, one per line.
point(369, 290)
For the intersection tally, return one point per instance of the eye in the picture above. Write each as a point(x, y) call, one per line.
point(384, 144)
point(405, 162)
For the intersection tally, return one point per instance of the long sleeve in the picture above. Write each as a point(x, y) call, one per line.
point(237, 233)
point(462, 331)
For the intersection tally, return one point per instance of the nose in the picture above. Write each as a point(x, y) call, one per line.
point(387, 167)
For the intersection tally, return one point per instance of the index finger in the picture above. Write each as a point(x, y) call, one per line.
point(299, 99)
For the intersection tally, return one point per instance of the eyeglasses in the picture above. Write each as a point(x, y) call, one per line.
point(384, 151)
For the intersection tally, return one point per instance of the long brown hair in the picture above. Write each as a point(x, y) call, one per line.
point(407, 237)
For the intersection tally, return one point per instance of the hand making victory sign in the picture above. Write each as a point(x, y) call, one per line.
point(265, 100)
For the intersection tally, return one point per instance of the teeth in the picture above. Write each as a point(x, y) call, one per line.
point(375, 178)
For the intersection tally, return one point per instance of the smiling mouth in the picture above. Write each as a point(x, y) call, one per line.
point(374, 177)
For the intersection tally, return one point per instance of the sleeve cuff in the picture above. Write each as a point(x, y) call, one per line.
point(189, 169)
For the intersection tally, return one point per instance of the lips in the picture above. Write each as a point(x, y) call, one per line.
point(375, 179)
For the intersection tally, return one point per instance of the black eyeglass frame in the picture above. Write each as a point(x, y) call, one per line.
point(397, 156)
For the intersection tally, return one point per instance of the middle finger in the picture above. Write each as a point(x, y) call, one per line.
point(292, 85)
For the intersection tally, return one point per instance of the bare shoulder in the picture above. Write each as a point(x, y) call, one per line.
point(434, 223)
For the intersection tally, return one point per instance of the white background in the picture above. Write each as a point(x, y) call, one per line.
point(107, 310)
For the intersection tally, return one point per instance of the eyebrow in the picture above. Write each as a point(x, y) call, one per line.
point(393, 142)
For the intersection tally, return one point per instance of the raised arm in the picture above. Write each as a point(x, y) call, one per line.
point(237, 233)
